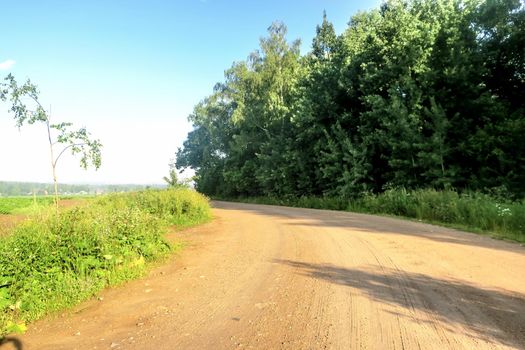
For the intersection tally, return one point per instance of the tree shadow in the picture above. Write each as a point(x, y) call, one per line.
point(368, 223)
point(493, 315)
point(14, 342)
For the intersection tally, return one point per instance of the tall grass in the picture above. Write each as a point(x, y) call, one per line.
point(475, 212)
point(181, 207)
point(54, 261)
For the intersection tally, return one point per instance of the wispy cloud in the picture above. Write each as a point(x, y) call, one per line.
point(7, 64)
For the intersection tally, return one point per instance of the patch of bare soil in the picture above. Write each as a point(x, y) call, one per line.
point(71, 203)
point(265, 277)
point(8, 221)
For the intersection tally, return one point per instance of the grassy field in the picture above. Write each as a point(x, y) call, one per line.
point(51, 262)
point(475, 212)
point(22, 205)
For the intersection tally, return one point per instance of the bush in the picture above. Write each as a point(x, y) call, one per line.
point(181, 207)
point(474, 211)
point(55, 261)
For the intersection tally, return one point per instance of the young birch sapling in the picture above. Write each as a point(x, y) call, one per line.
point(27, 109)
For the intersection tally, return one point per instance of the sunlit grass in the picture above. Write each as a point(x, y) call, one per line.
point(474, 212)
point(53, 261)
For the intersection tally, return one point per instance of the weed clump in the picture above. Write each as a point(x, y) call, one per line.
point(181, 207)
point(52, 262)
point(470, 210)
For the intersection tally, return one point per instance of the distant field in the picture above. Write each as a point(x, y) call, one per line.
point(21, 205)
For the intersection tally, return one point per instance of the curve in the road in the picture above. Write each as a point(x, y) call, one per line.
point(270, 277)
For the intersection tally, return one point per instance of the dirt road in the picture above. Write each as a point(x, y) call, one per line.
point(268, 277)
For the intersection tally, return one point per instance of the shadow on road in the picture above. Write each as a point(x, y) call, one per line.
point(11, 343)
point(368, 223)
point(487, 314)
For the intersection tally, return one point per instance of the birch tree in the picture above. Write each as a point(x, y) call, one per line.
point(27, 109)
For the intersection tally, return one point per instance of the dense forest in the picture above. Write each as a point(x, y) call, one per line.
point(414, 94)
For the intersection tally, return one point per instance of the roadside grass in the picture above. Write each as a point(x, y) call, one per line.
point(470, 211)
point(180, 207)
point(52, 262)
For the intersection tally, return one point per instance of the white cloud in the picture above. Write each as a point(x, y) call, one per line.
point(7, 64)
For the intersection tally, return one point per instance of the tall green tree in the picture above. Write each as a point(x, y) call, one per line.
point(415, 93)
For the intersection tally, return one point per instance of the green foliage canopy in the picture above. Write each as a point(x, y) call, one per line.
point(414, 94)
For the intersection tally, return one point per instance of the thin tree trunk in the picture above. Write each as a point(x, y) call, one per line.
point(53, 164)
point(56, 188)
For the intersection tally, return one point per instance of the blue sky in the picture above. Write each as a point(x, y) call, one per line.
point(131, 72)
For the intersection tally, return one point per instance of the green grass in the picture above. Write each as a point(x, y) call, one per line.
point(23, 205)
point(52, 262)
point(475, 212)
point(180, 207)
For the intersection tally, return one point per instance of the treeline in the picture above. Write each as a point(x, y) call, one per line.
point(414, 94)
point(8, 188)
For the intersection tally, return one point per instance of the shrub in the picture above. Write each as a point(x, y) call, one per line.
point(475, 211)
point(180, 206)
point(55, 261)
